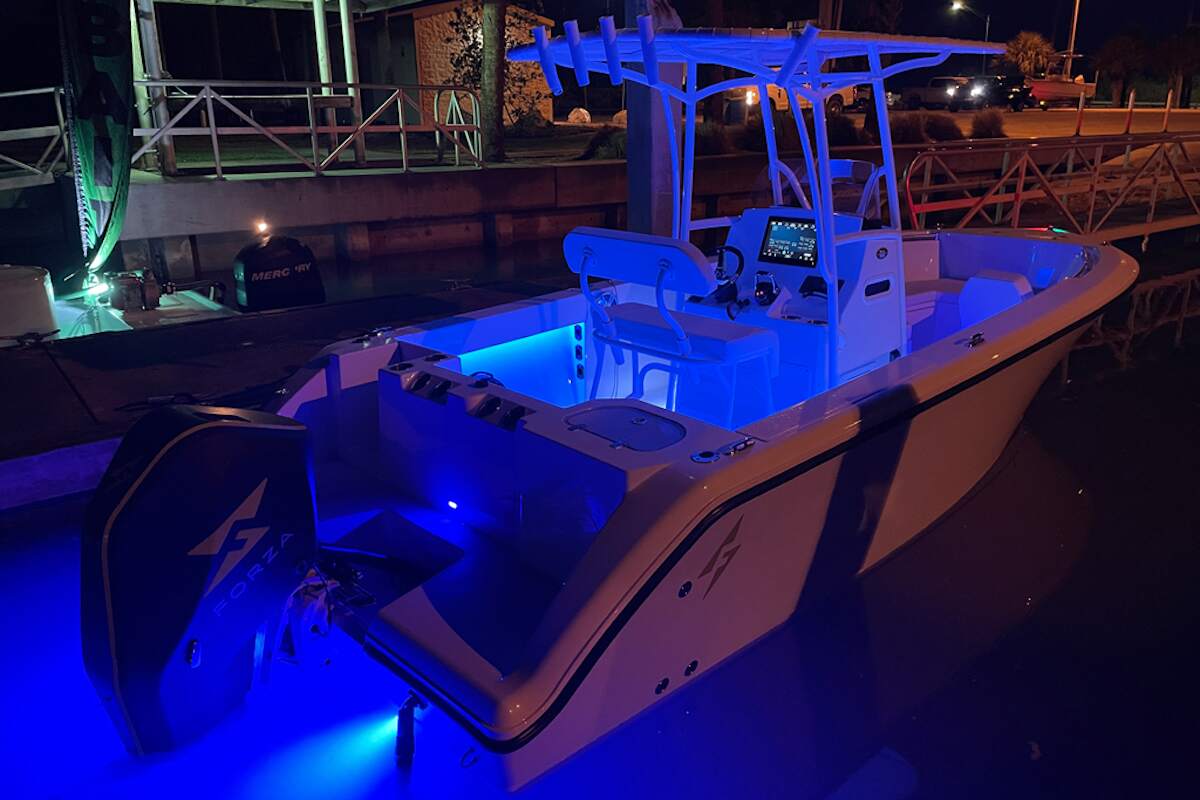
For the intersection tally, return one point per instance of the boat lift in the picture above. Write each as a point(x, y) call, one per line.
point(797, 62)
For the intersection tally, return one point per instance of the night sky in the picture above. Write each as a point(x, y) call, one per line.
point(29, 43)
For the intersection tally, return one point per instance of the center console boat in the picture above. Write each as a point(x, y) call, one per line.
point(546, 516)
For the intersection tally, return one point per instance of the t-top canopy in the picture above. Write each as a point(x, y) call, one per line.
point(762, 52)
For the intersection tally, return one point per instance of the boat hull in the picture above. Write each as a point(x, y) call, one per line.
point(704, 555)
point(805, 531)
point(1047, 90)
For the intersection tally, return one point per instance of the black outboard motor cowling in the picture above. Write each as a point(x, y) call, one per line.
point(198, 534)
point(276, 272)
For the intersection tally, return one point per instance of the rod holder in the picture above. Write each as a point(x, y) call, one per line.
point(571, 29)
point(549, 68)
point(608, 34)
point(645, 25)
point(800, 46)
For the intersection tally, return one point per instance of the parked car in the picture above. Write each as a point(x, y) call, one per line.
point(740, 101)
point(1011, 91)
point(950, 92)
point(864, 99)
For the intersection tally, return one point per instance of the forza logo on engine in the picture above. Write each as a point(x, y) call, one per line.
point(236, 546)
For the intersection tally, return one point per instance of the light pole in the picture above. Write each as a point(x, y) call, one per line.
point(958, 5)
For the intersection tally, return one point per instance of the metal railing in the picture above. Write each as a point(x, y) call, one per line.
point(34, 151)
point(1107, 186)
point(300, 120)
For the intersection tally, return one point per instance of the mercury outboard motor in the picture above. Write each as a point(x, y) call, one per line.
point(276, 272)
point(200, 531)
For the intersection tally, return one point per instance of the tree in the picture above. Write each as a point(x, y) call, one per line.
point(491, 79)
point(1120, 58)
point(882, 15)
point(1029, 51)
point(515, 90)
point(1176, 58)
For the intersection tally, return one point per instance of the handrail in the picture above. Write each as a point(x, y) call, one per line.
point(168, 82)
point(453, 116)
point(39, 170)
point(1085, 181)
point(28, 92)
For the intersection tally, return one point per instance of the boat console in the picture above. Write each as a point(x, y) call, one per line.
point(783, 287)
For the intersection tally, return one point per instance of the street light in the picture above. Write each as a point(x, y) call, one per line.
point(958, 5)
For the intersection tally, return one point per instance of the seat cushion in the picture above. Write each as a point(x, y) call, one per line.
point(712, 339)
point(988, 292)
point(936, 286)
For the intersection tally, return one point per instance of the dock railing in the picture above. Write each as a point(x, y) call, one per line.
point(35, 146)
point(1106, 186)
point(234, 119)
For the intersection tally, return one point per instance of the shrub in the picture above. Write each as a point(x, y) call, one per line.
point(909, 128)
point(713, 139)
point(529, 124)
point(942, 128)
point(842, 131)
point(988, 124)
point(607, 143)
point(786, 135)
point(870, 129)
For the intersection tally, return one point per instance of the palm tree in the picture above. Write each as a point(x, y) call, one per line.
point(883, 15)
point(491, 79)
point(1176, 58)
point(1030, 52)
point(1120, 58)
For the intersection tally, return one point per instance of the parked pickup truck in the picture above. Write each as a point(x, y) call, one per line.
point(948, 92)
point(739, 101)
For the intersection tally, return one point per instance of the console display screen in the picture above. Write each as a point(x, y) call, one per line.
point(790, 241)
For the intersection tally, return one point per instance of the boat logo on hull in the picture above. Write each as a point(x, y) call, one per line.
point(722, 557)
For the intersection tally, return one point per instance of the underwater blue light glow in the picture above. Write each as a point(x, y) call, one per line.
point(348, 760)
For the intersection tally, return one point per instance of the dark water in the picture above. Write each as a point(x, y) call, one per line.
point(432, 272)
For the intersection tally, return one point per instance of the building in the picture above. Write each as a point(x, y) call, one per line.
point(395, 42)
point(428, 43)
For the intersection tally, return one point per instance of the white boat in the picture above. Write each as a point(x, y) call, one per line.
point(1057, 86)
point(551, 514)
point(1052, 89)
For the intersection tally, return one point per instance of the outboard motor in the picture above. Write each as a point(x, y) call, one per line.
point(198, 534)
point(276, 272)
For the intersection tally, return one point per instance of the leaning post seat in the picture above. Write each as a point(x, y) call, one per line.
point(701, 356)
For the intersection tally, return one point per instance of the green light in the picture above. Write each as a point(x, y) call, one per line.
point(98, 288)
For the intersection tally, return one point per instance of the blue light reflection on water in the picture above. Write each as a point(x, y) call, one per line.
point(311, 731)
